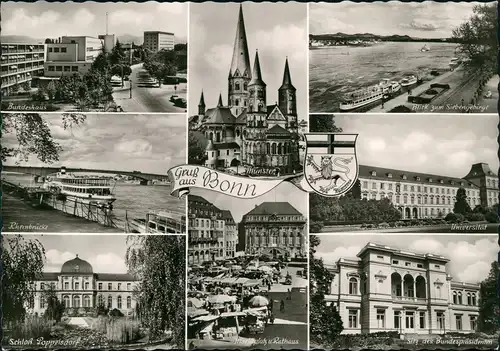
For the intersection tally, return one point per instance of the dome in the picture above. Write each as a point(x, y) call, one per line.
point(76, 265)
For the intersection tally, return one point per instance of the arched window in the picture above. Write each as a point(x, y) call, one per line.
point(87, 285)
point(66, 301)
point(469, 299)
point(86, 301)
point(353, 286)
point(119, 302)
point(460, 302)
point(76, 301)
point(100, 300)
point(129, 302)
point(273, 148)
point(455, 299)
point(110, 301)
point(236, 87)
point(474, 301)
point(42, 302)
point(245, 86)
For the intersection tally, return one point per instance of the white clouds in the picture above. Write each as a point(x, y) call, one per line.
point(31, 24)
point(283, 40)
point(137, 147)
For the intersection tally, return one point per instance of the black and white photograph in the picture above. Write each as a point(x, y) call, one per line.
point(92, 173)
point(417, 173)
point(248, 97)
point(423, 57)
point(247, 270)
point(94, 57)
point(393, 292)
point(98, 291)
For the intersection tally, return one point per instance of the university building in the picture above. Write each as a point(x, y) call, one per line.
point(247, 131)
point(388, 289)
point(78, 286)
point(419, 195)
point(276, 229)
point(71, 55)
point(156, 41)
point(20, 62)
point(212, 232)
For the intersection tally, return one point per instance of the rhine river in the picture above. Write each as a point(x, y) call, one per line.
point(133, 200)
point(337, 70)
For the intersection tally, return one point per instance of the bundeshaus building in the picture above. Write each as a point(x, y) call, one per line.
point(78, 287)
point(388, 289)
point(274, 228)
point(419, 195)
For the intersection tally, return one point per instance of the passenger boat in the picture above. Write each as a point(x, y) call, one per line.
point(161, 222)
point(410, 80)
point(425, 48)
point(95, 190)
point(366, 96)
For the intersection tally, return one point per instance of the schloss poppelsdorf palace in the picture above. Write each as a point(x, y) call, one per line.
point(247, 131)
point(80, 289)
point(419, 195)
point(387, 289)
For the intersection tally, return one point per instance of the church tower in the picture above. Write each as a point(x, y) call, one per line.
point(256, 118)
point(239, 73)
point(201, 105)
point(287, 99)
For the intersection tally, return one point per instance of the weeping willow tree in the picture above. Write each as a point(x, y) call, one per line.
point(159, 262)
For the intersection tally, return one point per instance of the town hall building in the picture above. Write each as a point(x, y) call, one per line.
point(247, 131)
point(388, 289)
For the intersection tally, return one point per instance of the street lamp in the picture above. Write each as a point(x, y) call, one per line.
point(130, 88)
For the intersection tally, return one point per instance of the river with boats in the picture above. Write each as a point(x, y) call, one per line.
point(133, 200)
point(337, 70)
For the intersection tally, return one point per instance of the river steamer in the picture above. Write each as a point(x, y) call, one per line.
point(408, 81)
point(366, 96)
point(161, 222)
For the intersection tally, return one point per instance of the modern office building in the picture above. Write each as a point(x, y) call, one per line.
point(276, 229)
point(20, 62)
point(79, 288)
point(108, 42)
point(419, 195)
point(155, 41)
point(212, 232)
point(71, 55)
point(388, 289)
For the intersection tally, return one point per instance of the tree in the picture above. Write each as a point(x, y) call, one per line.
point(323, 123)
point(33, 136)
point(55, 308)
point(180, 47)
point(325, 321)
point(117, 54)
point(478, 38)
point(161, 292)
point(461, 205)
point(489, 312)
point(101, 63)
point(51, 90)
point(196, 151)
point(26, 86)
point(22, 264)
point(15, 88)
point(48, 41)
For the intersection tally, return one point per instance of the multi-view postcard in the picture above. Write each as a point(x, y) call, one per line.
point(92, 173)
point(94, 57)
point(436, 57)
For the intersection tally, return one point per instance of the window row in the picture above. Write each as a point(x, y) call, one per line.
point(418, 188)
point(458, 300)
point(56, 49)
point(109, 305)
point(62, 68)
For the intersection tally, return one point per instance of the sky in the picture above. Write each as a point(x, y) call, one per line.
point(42, 19)
point(445, 145)
point(426, 19)
point(106, 253)
point(285, 192)
point(145, 143)
point(470, 255)
point(276, 30)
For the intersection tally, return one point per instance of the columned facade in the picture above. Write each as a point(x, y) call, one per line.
point(388, 289)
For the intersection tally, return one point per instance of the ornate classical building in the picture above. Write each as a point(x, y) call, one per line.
point(247, 131)
point(80, 288)
point(212, 232)
point(276, 229)
point(387, 289)
point(419, 195)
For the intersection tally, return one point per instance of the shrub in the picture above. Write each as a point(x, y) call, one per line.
point(474, 217)
point(491, 217)
point(115, 313)
point(400, 224)
point(370, 226)
point(32, 327)
point(454, 218)
point(392, 224)
point(414, 222)
point(384, 225)
point(315, 227)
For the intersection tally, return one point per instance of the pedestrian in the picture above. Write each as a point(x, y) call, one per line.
point(268, 286)
point(289, 297)
point(282, 306)
point(271, 318)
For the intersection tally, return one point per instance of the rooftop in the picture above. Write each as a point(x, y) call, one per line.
point(274, 208)
point(393, 250)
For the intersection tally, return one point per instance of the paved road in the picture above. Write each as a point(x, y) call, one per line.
point(148, 99)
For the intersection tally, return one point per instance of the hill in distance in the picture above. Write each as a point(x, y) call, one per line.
point(370, 36)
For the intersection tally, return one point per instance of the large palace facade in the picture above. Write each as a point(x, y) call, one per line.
point(388, 289)
point(419, 195)
point(80, 289)
point(274, 228)
point(212, 232)
point(247, 131)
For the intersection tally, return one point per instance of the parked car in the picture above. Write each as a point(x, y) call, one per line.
point(180, 102)
point(173, 98)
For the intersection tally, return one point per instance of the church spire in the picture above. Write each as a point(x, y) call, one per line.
point(220, 104)
point(256, 73)
point(241, 57)
point(201, 105)
point(287, 79)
